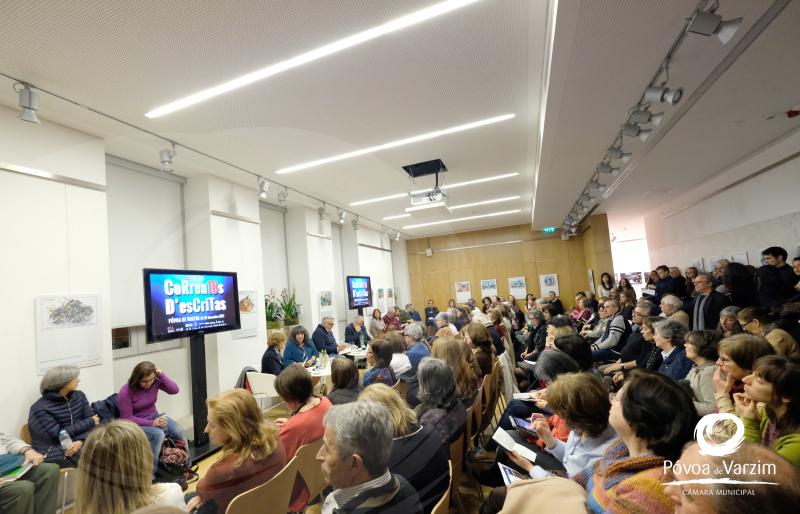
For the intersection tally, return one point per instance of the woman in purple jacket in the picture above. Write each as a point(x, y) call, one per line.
point(137, 403)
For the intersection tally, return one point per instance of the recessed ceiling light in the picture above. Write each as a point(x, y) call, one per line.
point(446, 186)
point(387, 218)
point(485, 202)
point(312, 55)
point(395, 144)
point(454, 220)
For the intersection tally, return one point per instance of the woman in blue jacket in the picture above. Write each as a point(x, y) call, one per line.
point(299, 348)
point(669, 335)
point(61, 407)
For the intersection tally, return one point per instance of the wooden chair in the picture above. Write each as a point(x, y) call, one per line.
point(456, 461)
point(489, 402)
point(443, 505)
point(270, 498)
point(66, 489)
point(309, 469)
point(402, 388)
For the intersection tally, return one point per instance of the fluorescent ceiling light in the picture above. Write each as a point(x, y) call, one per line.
point(312, 55)
point(446, 186)
point(395, 144)
point(485, 202)
point(454, 220)
point(387, 218)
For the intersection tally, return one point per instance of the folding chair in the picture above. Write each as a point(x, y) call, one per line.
point(309, 469)
point(262, 386)
point(443, 505)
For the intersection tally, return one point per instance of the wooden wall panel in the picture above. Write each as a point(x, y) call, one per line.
point(435, 277)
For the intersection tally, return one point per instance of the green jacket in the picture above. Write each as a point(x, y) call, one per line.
point(787, 446)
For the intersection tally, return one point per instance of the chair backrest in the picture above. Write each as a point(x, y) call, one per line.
point(402, 388)
point(309, 469)
point(443, 505)
point(270, 498)
point(489, 400)
point(262, 383)
point(25, 433)
point(456, 460)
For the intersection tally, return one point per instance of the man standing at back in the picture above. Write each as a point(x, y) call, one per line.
point(776, 279)
point(705, 309)
point(355, 455)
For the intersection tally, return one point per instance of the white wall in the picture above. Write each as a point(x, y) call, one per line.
point(375, 261)
point(629, 256)
point(273, 249)
point(55, 240)
point(400, 273)
point(760, 212)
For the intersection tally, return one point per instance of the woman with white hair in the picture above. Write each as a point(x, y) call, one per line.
point(669, 338)
point(445, 325)
point(61, 408)
point(671, 306)
point(439, 404)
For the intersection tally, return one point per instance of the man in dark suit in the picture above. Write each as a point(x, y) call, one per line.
point(704, 310)
point(776, 279)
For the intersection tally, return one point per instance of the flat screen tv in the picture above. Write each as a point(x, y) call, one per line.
point(359, 292)
point(183, 303)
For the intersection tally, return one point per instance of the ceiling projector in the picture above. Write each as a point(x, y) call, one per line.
point(425, 200)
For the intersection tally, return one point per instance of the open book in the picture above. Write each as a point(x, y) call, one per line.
point(506, 442)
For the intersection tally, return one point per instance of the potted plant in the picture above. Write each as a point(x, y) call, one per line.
point(272, 309)
point(290, 309)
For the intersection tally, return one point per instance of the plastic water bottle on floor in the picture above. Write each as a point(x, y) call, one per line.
point(64, 439)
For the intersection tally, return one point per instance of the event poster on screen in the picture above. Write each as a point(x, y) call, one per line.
point(182, 303)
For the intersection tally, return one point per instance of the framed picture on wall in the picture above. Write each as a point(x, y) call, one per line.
point(740, 257)
point(248, 314)
point(548, 283)
point(489, 287)
point(516, 287)
point(463, 292)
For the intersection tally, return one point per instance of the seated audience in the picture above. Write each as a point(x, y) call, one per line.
point(344, 376)
point(451, 351)
point(671, 307)
point(324, 339)
point(451, 304)
point(690, 274)
point(580, 314)
point(296, 388)
point(379, 356)
point(632, 350)
point(300, 349)
point(668, 337)
point(728, 322)
point(36, 492)
point(486, 304)
point(416, 348)
point(251, 453)
point(61, 407)
point(608, 347)
point(757, 321)
point(517, 315)
point(355, 454)
point(701, 349)
point(626, 288)
point(355, 333)
point(376, 327)
point(581, 400)
point(626, 305)
point(137, 403)
point(418, 453)
point(409, 314)
point(114, 475)
point(606, 284)
point(272, 360)
point(707, 304)
point(555, 303)
point(750, 498)
point(444, 325)
point(736, 357)
point(439, 404)
point(533, 335)
point(400, 363)
point(478, 338)
point(776, 279)
point(392, 319)
point(654, 418)
point(770, 406)
point(430, 315)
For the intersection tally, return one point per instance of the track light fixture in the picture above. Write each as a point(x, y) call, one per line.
point(263, 188)
point(397, 236)
point(710, 24)
point(282, 196)
point(607, 169)
point(663, 95)
point(355, 223)
point(341, 214)
point(615, 152)
point(321, 212)
point(165, 156)
point(28, 102)
point(633, 130)
point(643, 117)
